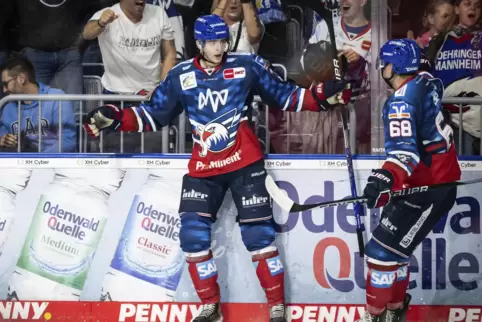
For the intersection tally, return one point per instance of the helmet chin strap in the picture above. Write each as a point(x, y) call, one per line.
point(387, 80)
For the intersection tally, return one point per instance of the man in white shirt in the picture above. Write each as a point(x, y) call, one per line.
point(133, 37)
point(241, 13)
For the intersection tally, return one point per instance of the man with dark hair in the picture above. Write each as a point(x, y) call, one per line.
point(18, 77)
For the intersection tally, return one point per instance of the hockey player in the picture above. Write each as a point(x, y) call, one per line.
point(214, 90)
point(420, 151)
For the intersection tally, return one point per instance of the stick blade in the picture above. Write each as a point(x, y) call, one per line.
point(278, 195)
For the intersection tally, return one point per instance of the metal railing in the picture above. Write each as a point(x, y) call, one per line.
point(178, 131)
point(461, 101)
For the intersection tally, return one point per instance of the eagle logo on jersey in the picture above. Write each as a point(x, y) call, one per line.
point(218, 134)
point(213, 137)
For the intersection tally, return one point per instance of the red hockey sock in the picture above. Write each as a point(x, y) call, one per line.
point(400, 288)
point(380, 285)
point(271, 276)
point(204, 275)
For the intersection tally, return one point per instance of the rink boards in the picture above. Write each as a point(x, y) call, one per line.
point(324, 274)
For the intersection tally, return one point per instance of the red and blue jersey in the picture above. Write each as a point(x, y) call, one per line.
point(459, 57)
point(216, 103)
point(418, 142)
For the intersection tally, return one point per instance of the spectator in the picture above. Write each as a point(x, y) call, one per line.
point(244, 25)
point(133, 38)
point(177, 26)
point(137, 45)
point(455, 59)
point(49, 36)
point(18, 77)
point(5, 14)
point(438, 17)
point(323, 133)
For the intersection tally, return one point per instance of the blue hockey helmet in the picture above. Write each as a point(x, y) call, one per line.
point(403, 54)
point(210, 27)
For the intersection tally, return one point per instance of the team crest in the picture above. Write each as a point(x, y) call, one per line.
point(188, 80)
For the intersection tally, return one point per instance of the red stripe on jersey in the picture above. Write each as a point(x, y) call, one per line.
point(435, 147)
point(294, 101)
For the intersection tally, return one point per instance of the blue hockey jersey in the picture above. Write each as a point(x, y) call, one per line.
point(459, 57)
point(216, 103)
point(29, 123)
point(418, 142)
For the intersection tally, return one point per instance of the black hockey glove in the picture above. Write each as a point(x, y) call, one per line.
point(331, 93)
point(378, 188)
point(104, 117)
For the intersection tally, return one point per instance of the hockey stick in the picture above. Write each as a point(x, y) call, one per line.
point(282, 199)
point(339, 75)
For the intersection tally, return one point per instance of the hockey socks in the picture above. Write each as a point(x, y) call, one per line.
point(270, 272)
point(380, 287)
point(399, 288)
point(204, 275)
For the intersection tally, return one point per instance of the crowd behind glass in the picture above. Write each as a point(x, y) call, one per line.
point(72, 47)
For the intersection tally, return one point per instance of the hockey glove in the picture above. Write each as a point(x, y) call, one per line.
point(377, 190)
point(331, 93)
point(104, 117)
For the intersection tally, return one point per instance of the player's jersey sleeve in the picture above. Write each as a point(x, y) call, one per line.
point(157, 112)
point(401, 123)
point(275, 92)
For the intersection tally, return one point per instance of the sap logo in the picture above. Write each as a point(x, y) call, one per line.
point(206, 269)
point(213, 98)
point(275, 266)
point(402, 273)
point(382, 279)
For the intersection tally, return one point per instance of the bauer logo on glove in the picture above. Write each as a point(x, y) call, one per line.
point(101, 118)
point(378, 188)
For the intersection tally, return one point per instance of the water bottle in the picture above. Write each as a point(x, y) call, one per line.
point(12, 181)
point(148, 262)
point(63, 236)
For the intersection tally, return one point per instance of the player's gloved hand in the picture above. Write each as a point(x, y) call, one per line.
point(104, 117)
point(331, 93)
point(377, 190)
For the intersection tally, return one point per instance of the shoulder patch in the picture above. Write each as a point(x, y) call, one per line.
point(260, 61)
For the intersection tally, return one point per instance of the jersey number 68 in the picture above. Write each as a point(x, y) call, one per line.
point(401, 128)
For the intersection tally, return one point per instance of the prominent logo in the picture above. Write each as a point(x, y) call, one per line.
point(206, 269)
point(233, 73)
point(213, 98)
point(220, 163)
point(188, 81)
